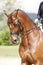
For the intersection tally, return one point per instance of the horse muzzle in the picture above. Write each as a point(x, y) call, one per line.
point(16, 40)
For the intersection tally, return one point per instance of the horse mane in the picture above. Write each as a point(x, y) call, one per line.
point(26, 15)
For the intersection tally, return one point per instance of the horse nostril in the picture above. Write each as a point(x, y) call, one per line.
point(15, 40)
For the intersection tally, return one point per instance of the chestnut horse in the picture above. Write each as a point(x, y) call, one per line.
point(31, 47)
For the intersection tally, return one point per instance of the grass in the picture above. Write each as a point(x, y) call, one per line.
point(9, 51)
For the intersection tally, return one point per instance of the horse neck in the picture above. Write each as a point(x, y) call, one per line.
point(27, 24)
point(28, 39)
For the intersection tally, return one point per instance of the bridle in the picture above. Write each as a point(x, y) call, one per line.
point(20, 31)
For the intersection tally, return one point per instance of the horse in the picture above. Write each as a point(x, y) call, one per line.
point(31, 47)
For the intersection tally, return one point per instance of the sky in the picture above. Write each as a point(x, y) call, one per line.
point(30, 5)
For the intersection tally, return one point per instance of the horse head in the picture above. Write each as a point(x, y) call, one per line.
point(14, 25)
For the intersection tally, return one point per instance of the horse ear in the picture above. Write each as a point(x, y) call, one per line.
point(6, 13)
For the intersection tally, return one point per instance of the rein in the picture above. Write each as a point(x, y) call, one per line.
point(29, 31)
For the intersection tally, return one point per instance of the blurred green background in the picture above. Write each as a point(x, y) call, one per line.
point(4, 31)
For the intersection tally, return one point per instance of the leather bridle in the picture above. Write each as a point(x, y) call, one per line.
point(20, 31)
